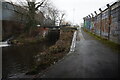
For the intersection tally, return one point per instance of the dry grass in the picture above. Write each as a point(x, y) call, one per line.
point(55, 52)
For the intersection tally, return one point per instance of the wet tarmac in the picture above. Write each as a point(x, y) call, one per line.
point(91, 59)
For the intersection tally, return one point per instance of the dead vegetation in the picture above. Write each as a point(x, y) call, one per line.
point(54, 53)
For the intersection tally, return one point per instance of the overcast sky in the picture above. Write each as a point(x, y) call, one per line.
point(77, 9)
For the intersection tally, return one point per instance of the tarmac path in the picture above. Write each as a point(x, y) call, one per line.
point(91, 59)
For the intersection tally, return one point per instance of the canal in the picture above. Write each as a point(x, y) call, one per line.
point(20, 59)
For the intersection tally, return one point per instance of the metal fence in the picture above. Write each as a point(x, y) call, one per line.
point(105, 24)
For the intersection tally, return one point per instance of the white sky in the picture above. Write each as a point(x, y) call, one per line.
point(77, 9)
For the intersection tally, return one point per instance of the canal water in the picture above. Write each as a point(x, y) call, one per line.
point(20, 59)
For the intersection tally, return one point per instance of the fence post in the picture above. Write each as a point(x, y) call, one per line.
point(84, 22)
point(95, 21)
point(109, 17)
point(100, 21)
point(119, 21)
point(89, 23)
point(92, 22)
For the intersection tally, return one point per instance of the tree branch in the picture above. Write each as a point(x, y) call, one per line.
point(40, 4)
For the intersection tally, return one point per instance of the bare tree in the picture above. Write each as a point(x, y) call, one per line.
point(31, 7)
point(61, 17)
point(54, 15)
point(52, 12)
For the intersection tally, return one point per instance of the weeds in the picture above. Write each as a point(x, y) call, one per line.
point(55, 52)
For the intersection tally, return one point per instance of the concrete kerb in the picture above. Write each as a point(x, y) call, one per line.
point(72, 49)
point(73, 45)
